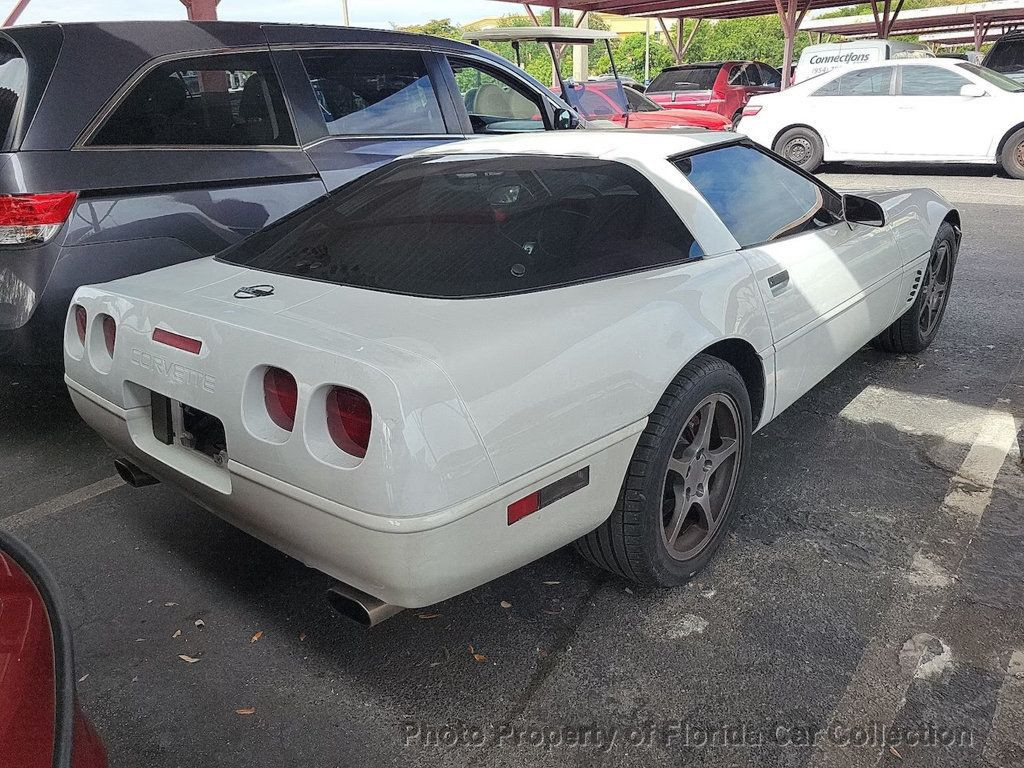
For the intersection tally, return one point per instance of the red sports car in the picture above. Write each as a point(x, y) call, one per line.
point(716, 86)
point(625, 106)
point(41, 725)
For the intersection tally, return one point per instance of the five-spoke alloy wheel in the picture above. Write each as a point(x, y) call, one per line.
point(682, 483)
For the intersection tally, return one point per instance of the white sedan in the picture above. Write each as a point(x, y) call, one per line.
point(488, 350)
point(906, 110)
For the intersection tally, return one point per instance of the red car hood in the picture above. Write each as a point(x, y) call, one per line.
point(676, 117)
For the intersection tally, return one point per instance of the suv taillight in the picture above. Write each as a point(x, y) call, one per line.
point(751, 109)
point(349, 418)
point(33, 219)
point(281, 396)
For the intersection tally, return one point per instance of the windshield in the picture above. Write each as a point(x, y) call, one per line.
point(466, 226)
point(1007, 56)
point(685, 79)
point(638, 102)
point(993, 77)
point(598, 101)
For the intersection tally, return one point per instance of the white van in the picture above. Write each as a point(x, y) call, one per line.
point(816, 59)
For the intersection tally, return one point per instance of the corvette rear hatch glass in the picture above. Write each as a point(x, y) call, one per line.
point(463, 226)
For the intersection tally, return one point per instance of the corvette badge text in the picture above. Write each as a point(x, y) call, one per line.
point(174, 373)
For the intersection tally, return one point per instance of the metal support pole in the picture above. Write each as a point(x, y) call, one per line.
point(344, 13)
point(201, 10)
point(581, 54)
point(15, 13)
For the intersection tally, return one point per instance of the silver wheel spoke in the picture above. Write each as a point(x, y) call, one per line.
point(721, 453)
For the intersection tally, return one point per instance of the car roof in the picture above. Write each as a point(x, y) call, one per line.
point(606, 144)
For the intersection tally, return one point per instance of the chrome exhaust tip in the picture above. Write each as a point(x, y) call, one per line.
point(358, 606)
point(133, 475)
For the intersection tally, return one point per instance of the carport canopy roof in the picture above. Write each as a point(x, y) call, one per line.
point(947, 18)
point(677, 9)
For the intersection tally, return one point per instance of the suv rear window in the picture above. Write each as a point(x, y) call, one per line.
point(686, 79)
point(13, 81)
point(469, 226)
point(226, 100)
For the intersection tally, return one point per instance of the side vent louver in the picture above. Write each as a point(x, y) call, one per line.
point(915, 286)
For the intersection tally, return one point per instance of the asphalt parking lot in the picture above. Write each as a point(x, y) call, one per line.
point(871, 588)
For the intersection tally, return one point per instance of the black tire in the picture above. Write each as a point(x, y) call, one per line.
point(633, 541)
point(911, 333)
point(802, 147)
point(1011, 158)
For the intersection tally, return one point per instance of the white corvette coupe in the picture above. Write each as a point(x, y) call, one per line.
point(490, 349)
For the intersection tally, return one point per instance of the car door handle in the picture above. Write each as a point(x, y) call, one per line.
point(778, 282)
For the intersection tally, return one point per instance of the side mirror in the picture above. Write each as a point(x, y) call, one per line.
point(863, 210)
point(566, 119)
point(39, 720)
point(972, 91)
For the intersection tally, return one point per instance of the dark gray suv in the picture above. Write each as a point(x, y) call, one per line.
point(125, 147)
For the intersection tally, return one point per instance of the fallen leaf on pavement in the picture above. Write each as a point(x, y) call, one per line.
point(428, 615)
point(246, 711)
point(895, 752)
point(200, 623)
point(168, 605)
point(506, 604)
point(189, 659)
point(302, 636)
point(552, 583)
point(479, 657)
point(177, 633)
point(82, 678)
point(255, 638)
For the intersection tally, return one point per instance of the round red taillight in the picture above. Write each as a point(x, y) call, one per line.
point(349, 418)
point(109, 333)
point(81, 320)
point(281, 395)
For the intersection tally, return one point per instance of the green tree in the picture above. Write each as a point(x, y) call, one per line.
point(436, 27)
point(630, 54)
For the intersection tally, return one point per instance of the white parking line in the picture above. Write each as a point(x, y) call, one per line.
point(1009, 714)
point(877, 690)
point(61, 503)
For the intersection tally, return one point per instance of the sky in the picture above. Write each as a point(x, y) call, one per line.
point(366, 13)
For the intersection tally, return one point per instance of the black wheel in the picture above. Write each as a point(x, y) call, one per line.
point(680, 489)
point(1012, 155)
point(916, 328)
point(802, 147)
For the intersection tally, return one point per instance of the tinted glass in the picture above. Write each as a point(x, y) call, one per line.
point(1007, 56)
point(374, 92)
point(638, 102)
point(993, 77)
point(231, 100)
point(463, 226)
point(495, 101)
point(746, 75)
point(930, 81)
point(685, 79)
point(13, 79)
point(593, 104)
point(771, 77)
point(758, 198)
point(875, 81)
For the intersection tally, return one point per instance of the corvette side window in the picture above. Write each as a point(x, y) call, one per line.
point(757, 197)
point(461, 226)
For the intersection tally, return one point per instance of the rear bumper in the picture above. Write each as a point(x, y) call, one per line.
point(408, 561)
